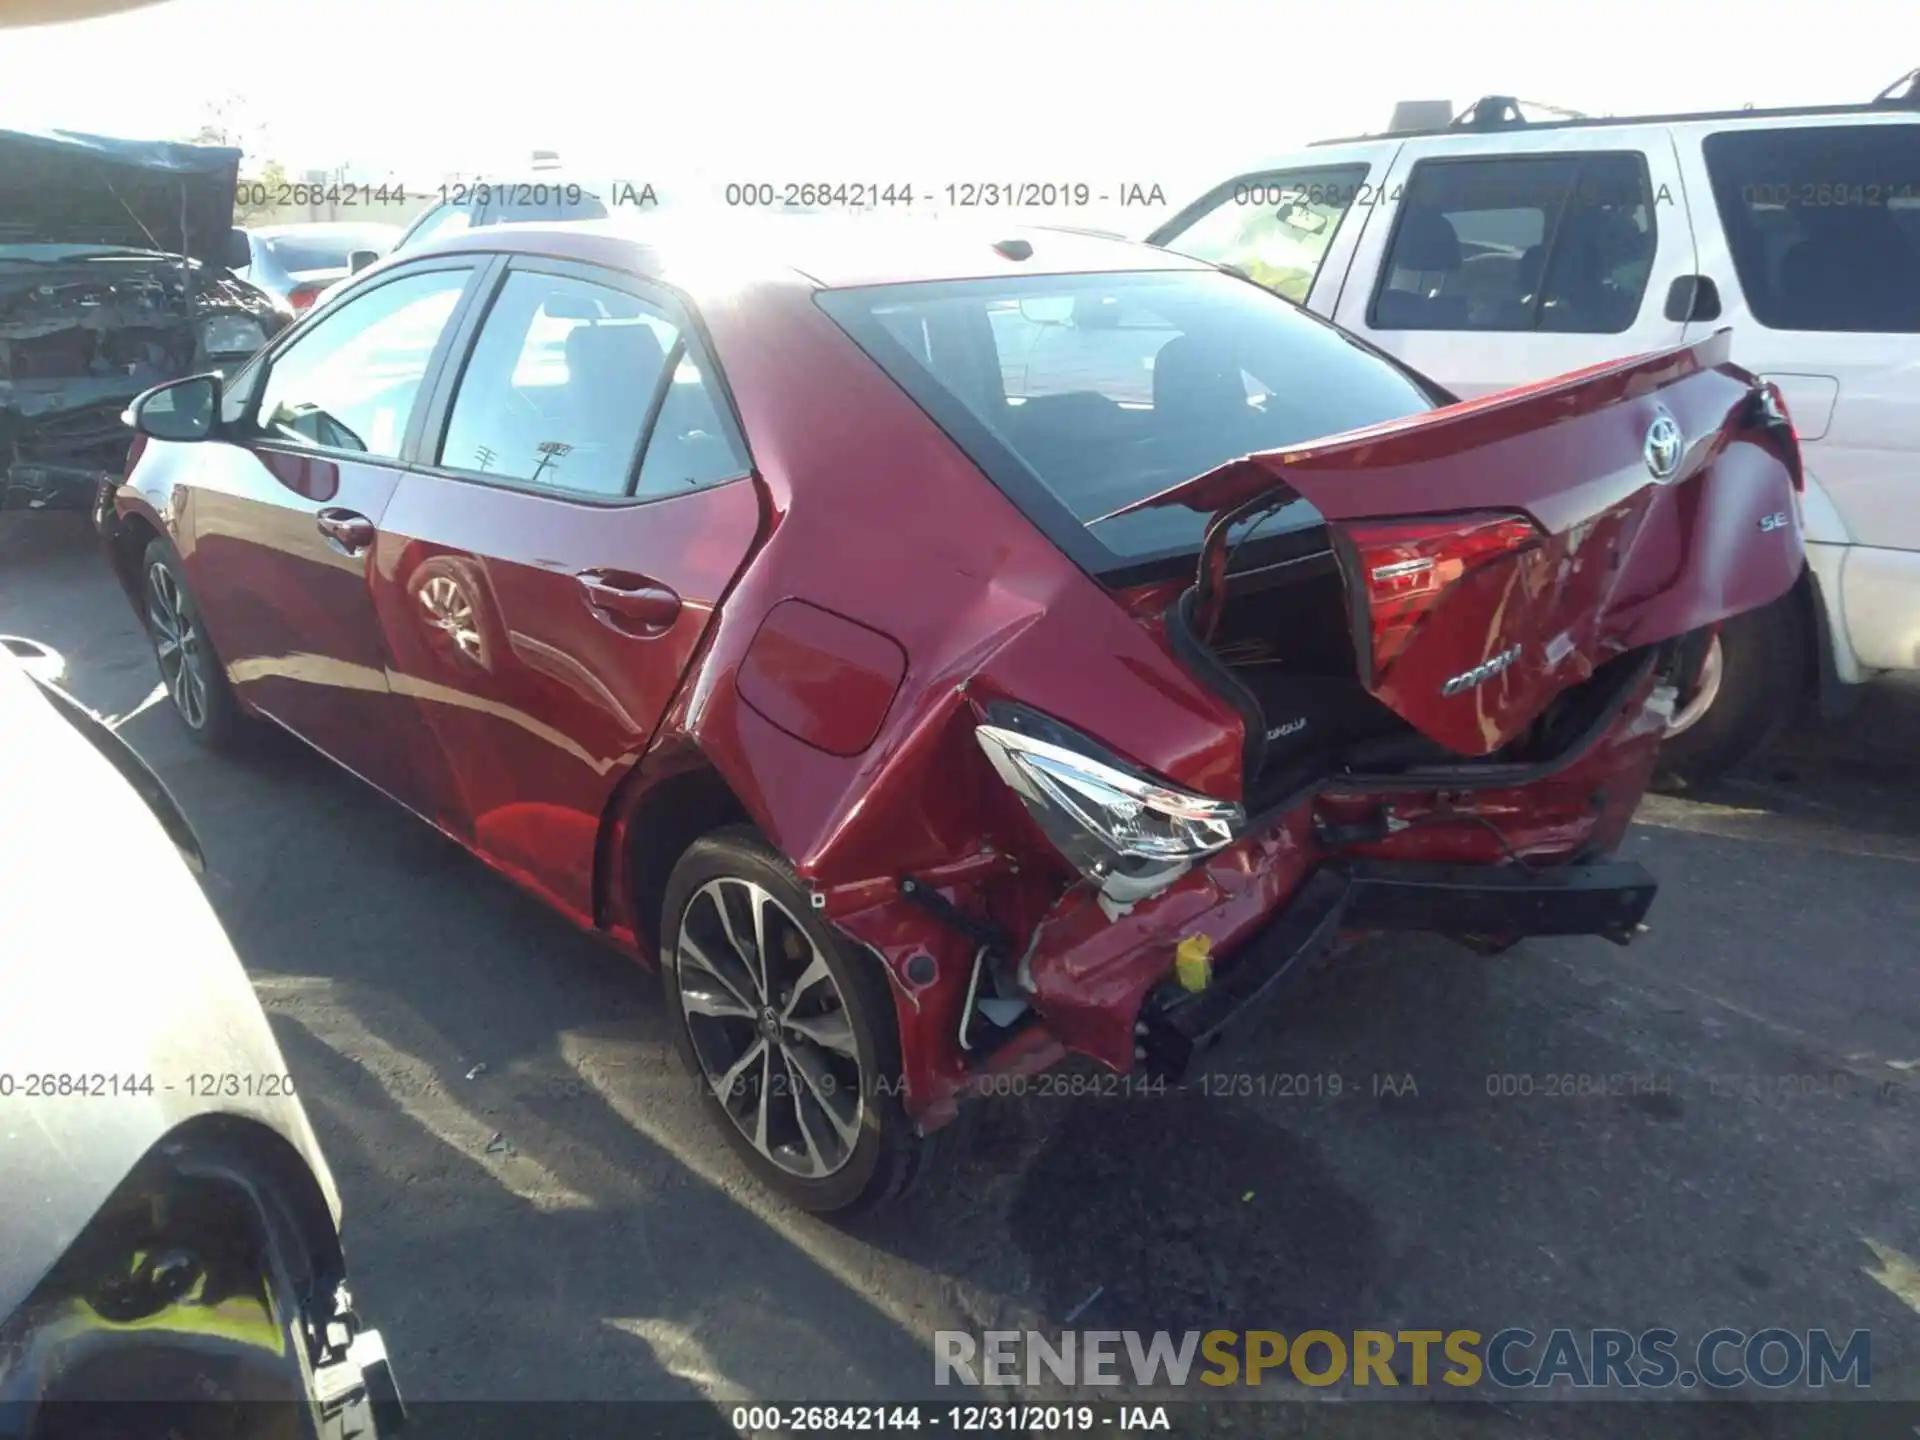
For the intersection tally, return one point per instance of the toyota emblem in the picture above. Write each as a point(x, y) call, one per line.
point(1663, 447)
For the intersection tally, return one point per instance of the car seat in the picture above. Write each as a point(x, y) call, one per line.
point(1426, 252)
point(612, 371)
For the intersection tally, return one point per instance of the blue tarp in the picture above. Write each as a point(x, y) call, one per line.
point(59, 186)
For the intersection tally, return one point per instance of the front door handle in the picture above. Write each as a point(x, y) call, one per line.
point(629, 602)
point(348, 531)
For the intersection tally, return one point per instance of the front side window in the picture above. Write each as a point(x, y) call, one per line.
point(1823, 224)
point(1080, 394)
point(1554, 243)
point(350, 382)
point(563, 381)
point(1276, 229)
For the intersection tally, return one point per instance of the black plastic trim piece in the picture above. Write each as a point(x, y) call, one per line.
point(1610, 899)
point(1174, 1026)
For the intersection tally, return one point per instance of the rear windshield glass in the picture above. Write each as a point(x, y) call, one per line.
point(1078, 394)
point(1824, 224)
point(323, 252)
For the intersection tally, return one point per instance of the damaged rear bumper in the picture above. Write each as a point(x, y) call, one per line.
point(1609, 899)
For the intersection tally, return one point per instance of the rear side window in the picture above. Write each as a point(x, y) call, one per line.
point(1277, 228)
point(1554, 243)
point(566, 381)
point(1823, 224)
point(1079, 394)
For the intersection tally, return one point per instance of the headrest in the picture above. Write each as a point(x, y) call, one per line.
point(1427, 241)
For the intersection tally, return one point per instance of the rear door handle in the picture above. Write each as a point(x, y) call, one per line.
point(348, 531)
point(629, 602)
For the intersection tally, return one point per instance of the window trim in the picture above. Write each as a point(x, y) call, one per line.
point(1550, 238)
point(423, 450)
point(247, 420)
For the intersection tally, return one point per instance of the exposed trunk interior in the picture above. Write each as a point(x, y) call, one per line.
point(1283, 652)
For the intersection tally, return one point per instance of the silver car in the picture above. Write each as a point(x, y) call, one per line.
point(169, 1231)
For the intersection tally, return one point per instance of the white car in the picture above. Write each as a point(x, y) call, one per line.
point(1497, 251)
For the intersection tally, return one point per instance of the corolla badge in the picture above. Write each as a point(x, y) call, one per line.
point(1663, 447)
point(1482, 672)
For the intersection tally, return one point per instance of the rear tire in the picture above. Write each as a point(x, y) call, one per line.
point(1763, 665)
point(798, 1059)
point(195, 678)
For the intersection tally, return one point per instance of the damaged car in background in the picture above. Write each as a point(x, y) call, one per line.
point(946, 651)
point(116, 260)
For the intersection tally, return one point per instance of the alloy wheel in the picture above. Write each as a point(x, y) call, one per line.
point(177, 645)
point(1712, 670)
point(449, 609)
point(770, 1028)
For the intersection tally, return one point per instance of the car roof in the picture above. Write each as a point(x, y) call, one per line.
point(321, 227)
point(1892, 111)
point(694, 253)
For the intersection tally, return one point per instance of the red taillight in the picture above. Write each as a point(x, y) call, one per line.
point(1405, 566)
point(302, 296)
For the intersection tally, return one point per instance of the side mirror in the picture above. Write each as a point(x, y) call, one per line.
point(235, 252)
point(358, 260)
point(179, 410)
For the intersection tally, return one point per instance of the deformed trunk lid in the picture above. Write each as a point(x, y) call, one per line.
point(1664, 495)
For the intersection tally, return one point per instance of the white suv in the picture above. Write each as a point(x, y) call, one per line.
point(1497, 251)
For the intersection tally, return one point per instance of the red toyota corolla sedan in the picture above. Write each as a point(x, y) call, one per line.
point(947, 651)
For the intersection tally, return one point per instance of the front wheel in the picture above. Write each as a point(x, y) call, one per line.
point(195, 680)
point(1752, 681)
point(789, 1030)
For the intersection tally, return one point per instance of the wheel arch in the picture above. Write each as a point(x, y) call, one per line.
point(126, 544)
point(671, 798)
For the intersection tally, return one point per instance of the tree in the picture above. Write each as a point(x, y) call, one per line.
point(259, 194)
point(230, 121)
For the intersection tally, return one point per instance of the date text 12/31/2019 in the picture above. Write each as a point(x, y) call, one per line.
point(958, 195)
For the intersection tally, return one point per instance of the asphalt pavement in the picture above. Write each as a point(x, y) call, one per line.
point(1715, 1127)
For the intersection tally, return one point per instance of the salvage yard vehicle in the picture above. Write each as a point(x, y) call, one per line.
point(297, 263)
point(169, 1231)
point(116, 264)
point(472, 206)
point(1497, 250)
point(916, 638)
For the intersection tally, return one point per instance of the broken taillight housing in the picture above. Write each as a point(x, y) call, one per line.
point(1767, 411)
point(1403, 567)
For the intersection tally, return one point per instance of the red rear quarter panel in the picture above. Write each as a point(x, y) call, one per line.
point(913, 574)
point(880, 520)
